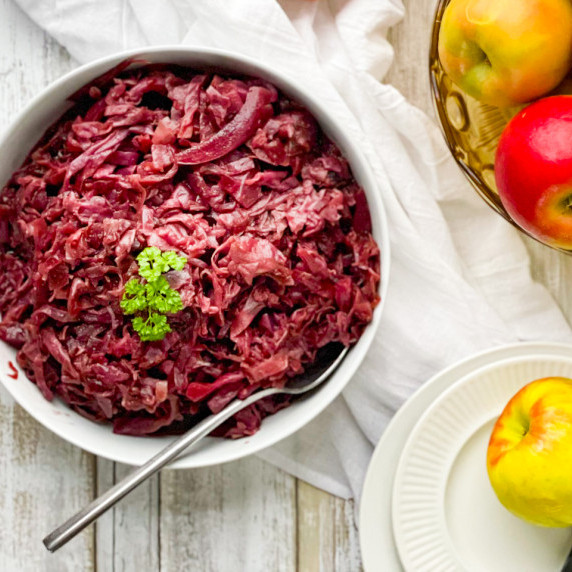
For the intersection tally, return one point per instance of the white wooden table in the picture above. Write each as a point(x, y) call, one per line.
point(243, 516)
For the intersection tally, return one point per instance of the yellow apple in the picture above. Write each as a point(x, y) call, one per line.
point(529, 456)
point(506, 52)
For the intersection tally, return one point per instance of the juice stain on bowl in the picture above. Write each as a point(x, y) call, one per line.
point(13, 371)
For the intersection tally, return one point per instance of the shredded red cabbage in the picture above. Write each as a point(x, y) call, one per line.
point(228, 172)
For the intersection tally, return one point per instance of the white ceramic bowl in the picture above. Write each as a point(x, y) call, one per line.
point(27, 128)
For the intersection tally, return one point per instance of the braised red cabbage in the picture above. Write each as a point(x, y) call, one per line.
point(228, 172)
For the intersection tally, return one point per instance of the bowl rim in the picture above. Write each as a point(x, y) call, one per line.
point(446, 129)
point(231, 62)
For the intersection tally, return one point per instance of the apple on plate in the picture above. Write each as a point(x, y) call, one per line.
point(506, 52)
point(533, 170)
point(529, 456)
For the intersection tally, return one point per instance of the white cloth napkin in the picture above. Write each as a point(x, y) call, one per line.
point(460, 278)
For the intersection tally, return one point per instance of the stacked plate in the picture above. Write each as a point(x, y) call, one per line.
point(427, 504)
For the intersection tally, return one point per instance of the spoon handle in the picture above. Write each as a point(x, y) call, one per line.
point(96, 508)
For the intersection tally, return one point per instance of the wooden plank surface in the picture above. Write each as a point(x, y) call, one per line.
point(327, 535)
point(237, 516)
point(243, 516)
point(42, 478)
point(127, 537)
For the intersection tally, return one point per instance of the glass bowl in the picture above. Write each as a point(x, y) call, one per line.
point(471, 128)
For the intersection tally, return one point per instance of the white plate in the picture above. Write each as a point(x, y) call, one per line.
point(445, 513)
point(471, 532)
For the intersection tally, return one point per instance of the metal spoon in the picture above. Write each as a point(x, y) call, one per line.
point(327, 360)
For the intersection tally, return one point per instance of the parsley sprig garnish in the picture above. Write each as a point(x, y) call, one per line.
point(154, 296)
point(152, 262)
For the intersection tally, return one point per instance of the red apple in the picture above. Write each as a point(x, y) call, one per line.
point(533, 170)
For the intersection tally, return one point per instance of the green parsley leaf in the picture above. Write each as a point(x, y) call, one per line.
point(153, 328)
point(152, 262)
point(162, 298)
point(155, 295)
point(174, 261)
point(134, 299)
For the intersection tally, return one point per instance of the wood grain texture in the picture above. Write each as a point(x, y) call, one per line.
point(237, 516)
point(127, 537)
point(44, 480)
point(410, 39)
point(326, 522)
